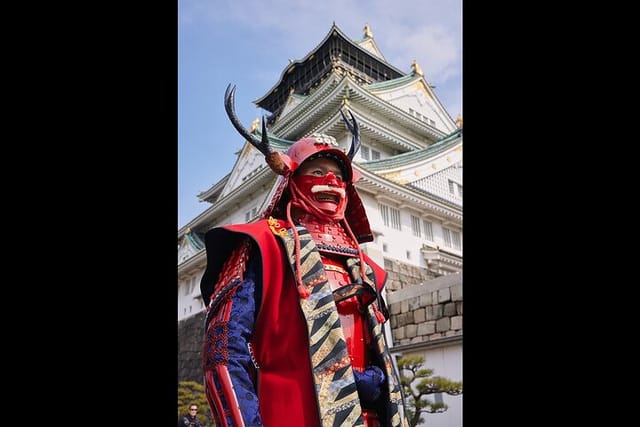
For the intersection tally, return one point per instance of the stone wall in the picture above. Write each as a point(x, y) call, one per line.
point(426, 312)
point(190, 339)
point(401, 275)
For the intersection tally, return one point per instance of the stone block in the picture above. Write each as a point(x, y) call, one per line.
point(444, 295)
point(449, 309)
point(456, 323)
point(443, 324)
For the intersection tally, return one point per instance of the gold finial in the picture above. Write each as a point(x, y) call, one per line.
point(345, 102)
point(254, 125)
point(416, 68)
point(367, 32)
point(188, 230)
point(459, 121)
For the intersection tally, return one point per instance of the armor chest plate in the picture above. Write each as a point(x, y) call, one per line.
point(351, 311)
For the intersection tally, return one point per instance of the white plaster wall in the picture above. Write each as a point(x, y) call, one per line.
point(247, 162)
point(191, 303)
point(400, 241)
point(414, 97)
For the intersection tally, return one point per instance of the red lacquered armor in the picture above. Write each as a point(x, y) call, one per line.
point(371, 418)
point(350, 311)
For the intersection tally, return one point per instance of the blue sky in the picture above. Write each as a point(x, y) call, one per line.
point(249, 43)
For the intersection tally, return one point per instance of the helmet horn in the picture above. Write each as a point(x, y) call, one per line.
point(272, 158)
point(355, 131)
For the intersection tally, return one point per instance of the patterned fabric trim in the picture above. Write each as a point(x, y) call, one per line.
point(337, 249)
point(235, 265)
point(216, 345)
point(336, 390)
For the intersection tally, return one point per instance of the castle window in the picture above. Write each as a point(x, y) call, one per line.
point(415, 226)
point(455, 188)
point(428, 230)
point(452, 239)
point(364, 152)
point(390, 216)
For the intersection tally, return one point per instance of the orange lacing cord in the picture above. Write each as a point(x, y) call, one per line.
point(302, 289)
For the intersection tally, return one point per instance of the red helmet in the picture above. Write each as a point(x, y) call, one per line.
point(319, 145)
point(313, 147)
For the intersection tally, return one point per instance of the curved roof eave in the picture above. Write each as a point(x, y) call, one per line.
point(408, 80)
point(239, 193)
point(331, 94)
point(214, 190)
point(401, 116)
point(374, 183)
point(422, 154)
point(393, 83)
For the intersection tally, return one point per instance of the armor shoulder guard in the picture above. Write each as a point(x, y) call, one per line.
point(231, 274)
point(222, 246)
point(228, 249)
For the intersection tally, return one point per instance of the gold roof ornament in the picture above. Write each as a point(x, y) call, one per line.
point(367, 32)
point(416, 68)
point(459, 121)
point(254, 125)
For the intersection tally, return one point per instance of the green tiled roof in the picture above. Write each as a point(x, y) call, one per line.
point(277, 144)
point(415, 155)
point(390, 84)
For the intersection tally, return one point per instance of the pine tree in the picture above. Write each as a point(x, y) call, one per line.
point(418, 383)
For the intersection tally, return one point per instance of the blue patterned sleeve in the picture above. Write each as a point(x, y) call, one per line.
point(229, 370)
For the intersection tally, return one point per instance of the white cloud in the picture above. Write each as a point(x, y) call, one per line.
point(429, 31)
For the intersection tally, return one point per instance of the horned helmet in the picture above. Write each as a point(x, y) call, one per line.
point(304, 191)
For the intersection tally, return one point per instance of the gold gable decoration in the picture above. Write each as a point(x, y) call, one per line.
point(254, 125)
point(416, 68)
point(367, 32)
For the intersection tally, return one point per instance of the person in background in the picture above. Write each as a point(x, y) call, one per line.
point(191, 419)
point(294, 331)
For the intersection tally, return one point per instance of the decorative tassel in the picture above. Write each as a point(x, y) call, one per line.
point(303, 291)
